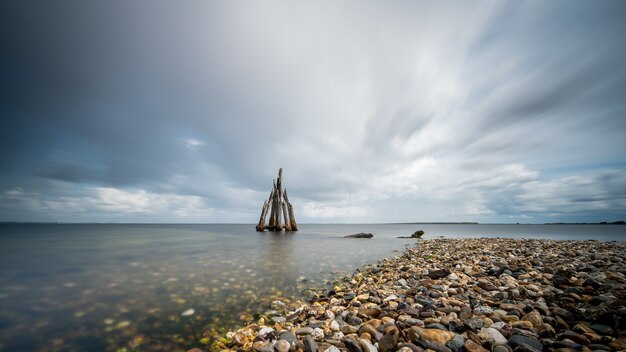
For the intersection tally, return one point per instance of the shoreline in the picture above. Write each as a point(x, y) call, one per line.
point(474, 294)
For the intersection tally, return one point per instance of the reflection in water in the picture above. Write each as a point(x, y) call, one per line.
point(104, 287)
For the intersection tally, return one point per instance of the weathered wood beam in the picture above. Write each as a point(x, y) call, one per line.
point(261, 225)
point(272, 221)
point(292, 218)
point(286, 216)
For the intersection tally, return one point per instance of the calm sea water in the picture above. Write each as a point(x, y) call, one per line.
point(105, 287)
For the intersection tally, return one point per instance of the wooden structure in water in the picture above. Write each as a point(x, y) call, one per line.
point(281, 210)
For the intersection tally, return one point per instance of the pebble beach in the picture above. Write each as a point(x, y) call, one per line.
point(484, 294)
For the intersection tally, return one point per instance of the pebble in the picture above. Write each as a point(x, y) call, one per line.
point(452, 295)
point(519, 340)
point(366, 346)
point(304, 331)
point(282, 346)
point(471, 346)
point(433, 335)
point(491, 333)
point(317, 334)
point(290, 338)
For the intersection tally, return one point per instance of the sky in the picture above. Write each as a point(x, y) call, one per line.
point(416, 111)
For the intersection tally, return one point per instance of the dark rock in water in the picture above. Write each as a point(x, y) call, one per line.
point(438, 274)
point(418, 234)
point(309, 344)
point(519, 340)
point(360, 235)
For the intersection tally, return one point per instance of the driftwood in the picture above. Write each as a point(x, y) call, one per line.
point(261, 225)
point(292, 218)
point(280, 209)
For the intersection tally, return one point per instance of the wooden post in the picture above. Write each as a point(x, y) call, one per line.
point(277, 211)
point(293, 224)
point(273, 212)
point(261, 225)
point(286, 216)
point(278, 195)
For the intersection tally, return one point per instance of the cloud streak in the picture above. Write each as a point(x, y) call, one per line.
point(414, 111)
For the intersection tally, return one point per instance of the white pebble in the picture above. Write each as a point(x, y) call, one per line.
point(317, 334)
point(188, 312)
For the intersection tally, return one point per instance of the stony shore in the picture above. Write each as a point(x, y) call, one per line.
point(456, 295)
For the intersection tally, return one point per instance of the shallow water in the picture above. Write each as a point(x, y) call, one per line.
point(104, 286)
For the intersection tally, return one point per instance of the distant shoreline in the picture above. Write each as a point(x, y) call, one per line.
point(620, 222)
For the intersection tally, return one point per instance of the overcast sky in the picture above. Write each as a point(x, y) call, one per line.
point(130, 111)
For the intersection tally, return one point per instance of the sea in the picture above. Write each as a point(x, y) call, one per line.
point(170, 287)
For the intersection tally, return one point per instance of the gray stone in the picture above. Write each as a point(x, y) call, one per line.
point(473, 324)
point(491, 333)
point(352, 345)
point(354, 320)
point(304, 331)
point(279, 319)
point(519, 340)
point(456, 344)
point(282, 346)
point(291, 338)
point(308, 344)
point(501, 348)
point(366, 346)
point(602, 329)
point(436, 326)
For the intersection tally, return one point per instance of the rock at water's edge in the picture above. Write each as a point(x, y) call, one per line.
point(360, 235)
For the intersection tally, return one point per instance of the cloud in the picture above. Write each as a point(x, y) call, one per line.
point(192, 143)
point(107, 204)
point(413, 112)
